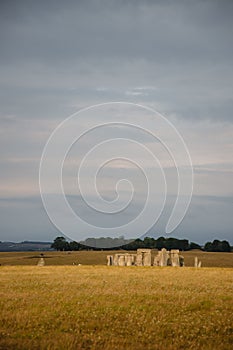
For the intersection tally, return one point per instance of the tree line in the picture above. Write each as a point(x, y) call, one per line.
point(60, 243)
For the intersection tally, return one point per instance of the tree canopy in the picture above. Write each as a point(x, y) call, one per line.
point(60, 243)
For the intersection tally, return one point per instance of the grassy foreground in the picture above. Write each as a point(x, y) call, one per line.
point(100, 307)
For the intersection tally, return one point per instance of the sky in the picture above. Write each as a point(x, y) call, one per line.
point(58, 57)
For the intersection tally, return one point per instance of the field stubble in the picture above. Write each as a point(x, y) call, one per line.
point(100, 307)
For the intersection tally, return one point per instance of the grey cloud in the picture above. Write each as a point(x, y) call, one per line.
point(24, 219)
point(176, 56)
point(150, 30)
point(208, 218)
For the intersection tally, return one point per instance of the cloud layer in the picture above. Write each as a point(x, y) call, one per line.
point(174, 56)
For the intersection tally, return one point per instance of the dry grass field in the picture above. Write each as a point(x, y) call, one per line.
point(100, 307)
point(99, 258)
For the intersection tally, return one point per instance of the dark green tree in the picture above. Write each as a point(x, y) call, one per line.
point(225, 246)
point(194, 246)
point(217, 246)
point(208, 247)
point(75, 246)
point(161, 243)
point(149, 242)
point(60, 243)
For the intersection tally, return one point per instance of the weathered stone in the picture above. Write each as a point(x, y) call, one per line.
point(41, 262)
point(139, 260)
point(169, 261)
point(121, 260)
point(147, 258)
point(115, 260)
point(124, 259)
point(129, 259)
point(143, 257)
point(197, 263)
point(157, 259)
point(164, 256)
point(109, 260)
point(175, 261)
point(181, 260)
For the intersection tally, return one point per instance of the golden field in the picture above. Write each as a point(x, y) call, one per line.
point(100, 307)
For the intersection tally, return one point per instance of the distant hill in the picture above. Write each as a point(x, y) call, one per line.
point(24, 246)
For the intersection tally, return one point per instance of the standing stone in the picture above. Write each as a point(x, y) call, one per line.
point(121, 260)
point(129, 259)
point(181, 260)
point(115, 260)
point(197, 263)
point(157, 259)
point(147, 258)
point(109, 260)
point(124, 259)
point(133, 258)
point(164, 256)
point(41, 262)
point(139, 258)
point(143, 257)
point(175, 257)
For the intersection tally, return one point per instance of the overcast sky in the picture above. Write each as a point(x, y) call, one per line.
point(57, 57)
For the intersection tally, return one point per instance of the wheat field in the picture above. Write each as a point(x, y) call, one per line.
point(100, 307)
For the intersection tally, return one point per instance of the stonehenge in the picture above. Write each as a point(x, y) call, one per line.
point(143, 257)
